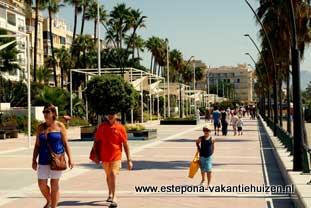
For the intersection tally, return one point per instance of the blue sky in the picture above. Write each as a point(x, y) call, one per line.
point(210, 30)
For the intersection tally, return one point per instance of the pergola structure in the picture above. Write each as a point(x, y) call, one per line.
point(140, 80)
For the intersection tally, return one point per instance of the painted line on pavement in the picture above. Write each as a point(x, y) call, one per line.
point(13, 150)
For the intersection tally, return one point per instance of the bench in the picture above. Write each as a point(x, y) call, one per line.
point(9, 131)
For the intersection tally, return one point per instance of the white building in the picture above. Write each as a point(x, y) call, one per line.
point(12, 19)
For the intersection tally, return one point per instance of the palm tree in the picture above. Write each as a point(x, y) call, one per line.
point(136, 43)
point(118, 22)
point(77, 9)
point(135, 21)
point(91, 14)
point(64, 62)
point(38, 6)
point(84, 6)
point(53, 7)
point(44, 74)
point(8, 55)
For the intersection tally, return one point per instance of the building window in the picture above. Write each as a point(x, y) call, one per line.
point(238, 81)
point(2, 12)
point(62, 40)
point(11, 18)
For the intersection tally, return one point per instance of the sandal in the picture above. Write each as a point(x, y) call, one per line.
point(109, 199)
point(47, 205)
point(113, 205)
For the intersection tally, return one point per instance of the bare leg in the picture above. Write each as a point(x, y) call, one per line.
point(203, 178)
point(54, 192)
point(45, 190)
point(209, 177)
point(113, 177)
point(108, 184)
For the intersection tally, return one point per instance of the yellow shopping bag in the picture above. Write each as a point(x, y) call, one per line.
point(194, 165)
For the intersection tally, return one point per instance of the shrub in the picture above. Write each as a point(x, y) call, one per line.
point(77, 121)
point(110, 93)
point(134, 127)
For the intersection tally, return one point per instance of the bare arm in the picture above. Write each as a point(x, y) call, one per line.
point(35, 153)
point(128, 155)
point(197, 142)
point(66, 145)
point(213, 145)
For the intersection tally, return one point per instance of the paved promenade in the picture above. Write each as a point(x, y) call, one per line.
point(164, 161)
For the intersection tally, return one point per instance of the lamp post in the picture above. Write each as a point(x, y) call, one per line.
point(275, 108)
point(195, 103)
point(98, 39)
point(251, 58)
point(298, 123)
point(168, 79)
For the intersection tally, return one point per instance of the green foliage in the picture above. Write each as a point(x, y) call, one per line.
point(22, 124)
point(134, 127)
point(8, 55)
point(110, 94)
point(78, 121)
point(180, 119)
point(13, 92)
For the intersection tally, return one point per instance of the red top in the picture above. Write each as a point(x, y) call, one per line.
point(110, 139)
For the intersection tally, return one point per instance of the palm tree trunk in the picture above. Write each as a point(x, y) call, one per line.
point(52, 47)
point(62, 77)
point(95, 29)
point(154, 65)
point(151, 63)
point(83, 19)
point(35, 43)
point(75, 24)
point(269, 103)
point(289, 124)
point(280, 103)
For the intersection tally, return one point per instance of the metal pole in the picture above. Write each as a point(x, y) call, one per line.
point(298, 123)
point(168, 80)
point(29, 90)
point(150, 96)
point(141, 99)
point(158, 106)
point(71, 92)
point(98, 39)
point(132, 111)
point(195, 103)
point(164, 103)
point(86, 103)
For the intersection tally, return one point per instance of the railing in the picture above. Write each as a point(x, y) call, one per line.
point(287, 140)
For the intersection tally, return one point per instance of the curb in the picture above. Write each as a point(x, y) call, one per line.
point(284, 160)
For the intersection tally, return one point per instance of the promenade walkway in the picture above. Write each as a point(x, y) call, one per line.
point(164, 161)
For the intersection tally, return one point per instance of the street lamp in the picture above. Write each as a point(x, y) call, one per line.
point(298, 123)
point(274, 69)
point(251, 58)
point(98, 39)
point(168, 79)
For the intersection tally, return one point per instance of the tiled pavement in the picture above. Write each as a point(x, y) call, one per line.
point(164, 161)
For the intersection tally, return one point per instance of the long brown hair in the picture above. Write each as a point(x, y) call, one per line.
point(51, 108)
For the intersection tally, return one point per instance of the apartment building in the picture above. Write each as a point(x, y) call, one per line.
point(241, 77)
point(12, 19)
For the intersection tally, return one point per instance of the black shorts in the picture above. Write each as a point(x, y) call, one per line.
point(239, 128)
point(217, 124)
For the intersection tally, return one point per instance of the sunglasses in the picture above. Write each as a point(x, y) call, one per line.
point(46, 111)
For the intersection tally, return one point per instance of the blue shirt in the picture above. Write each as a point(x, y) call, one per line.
point(216, 116)
point(56, 143)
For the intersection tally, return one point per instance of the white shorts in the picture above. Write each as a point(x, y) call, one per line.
point(45, 172)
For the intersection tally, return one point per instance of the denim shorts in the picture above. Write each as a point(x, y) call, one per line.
point(206, 164)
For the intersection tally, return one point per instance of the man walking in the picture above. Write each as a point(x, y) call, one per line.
point(110, 137)
point(216, 118)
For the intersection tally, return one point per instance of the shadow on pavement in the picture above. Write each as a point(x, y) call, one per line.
point(161, 165)
point(79, 203)
point(90, 165)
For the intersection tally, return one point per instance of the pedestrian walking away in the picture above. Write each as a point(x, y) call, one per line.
point(216, 118)
point(51, 139)
point(224, 123)
point(234, 121)
point(240, 126)
point(206, 146)
point(109, 139)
